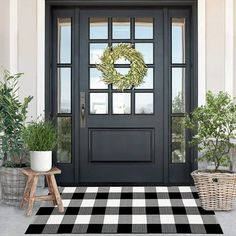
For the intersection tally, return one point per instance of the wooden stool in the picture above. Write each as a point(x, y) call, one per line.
point(31, 185)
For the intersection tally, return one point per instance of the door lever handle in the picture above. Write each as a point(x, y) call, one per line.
point(82, 110)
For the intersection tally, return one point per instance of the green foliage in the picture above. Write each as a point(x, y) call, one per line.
point(12, 118)
point(178, 103)
point(110, 75)
point(64, 140)
point(214, 125)
point(40, 136)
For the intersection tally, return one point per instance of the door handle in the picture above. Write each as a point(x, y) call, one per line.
point(82, 110)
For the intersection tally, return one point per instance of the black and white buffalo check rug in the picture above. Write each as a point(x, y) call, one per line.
point(139, 210)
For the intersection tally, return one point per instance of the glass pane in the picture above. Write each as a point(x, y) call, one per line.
point(121, 103)
point(178, 90)
point(143, 103)
point(96, 51)
point(178, 140)
point(98, 28)
point(143, 28)
point(148, 80)
point(123, 71)
point(178, 40)
point(64, 90)
point(64, 140)
point(121, 28)
point(95, 79)
point(64, 40)
point(146, 49)
point(99, 103)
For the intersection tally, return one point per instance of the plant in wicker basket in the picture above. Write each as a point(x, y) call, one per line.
point(12, 118)
point(214, 127)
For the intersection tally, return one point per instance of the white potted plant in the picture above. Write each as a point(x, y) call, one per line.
point(214, 127)
point(40, 139)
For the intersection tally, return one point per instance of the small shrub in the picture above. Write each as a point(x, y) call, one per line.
point(12, 120)
point(214, 126)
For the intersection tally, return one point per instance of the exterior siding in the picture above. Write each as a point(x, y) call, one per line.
point(4, 33)
point(234, 63)
point(215, 45)
point(27, 51)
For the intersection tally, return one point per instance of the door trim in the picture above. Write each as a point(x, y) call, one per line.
point(121, 2)
point(51, 4)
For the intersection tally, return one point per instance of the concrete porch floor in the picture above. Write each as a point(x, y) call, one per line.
point(13, 221)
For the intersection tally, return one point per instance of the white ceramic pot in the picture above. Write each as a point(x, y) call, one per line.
point(41, 160)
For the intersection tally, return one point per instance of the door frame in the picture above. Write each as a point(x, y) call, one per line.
point(175, 4)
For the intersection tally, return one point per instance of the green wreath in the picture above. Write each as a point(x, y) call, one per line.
point(110, 75)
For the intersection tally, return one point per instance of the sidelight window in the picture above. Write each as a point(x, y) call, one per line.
point(64, 72)
point(64, 40)
point(178, 82)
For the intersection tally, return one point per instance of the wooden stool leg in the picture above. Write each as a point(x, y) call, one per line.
point(31, 195)
point(26, 191)
point(50, 189)
point(56, 193)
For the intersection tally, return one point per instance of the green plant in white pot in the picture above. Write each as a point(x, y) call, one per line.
point(40, 139)
point(214, 127)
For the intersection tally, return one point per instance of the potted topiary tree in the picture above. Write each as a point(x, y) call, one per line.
point(12, 120)
point(40, 139)
point(214, 127)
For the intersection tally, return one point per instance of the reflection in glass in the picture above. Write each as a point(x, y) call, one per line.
point(64, 40)
point(121, 28)
point(64, 90)
point(146, 49)
point(64, 140)
point(98, 28)
point(123, 71)
point(178, 90)
point(178, 140)
point(98, 103)
point(178, 40)
point(121, 103)
point(143, 28)
point(96, 51)
point(148, 80)
point(143, 103)
point(95, 79)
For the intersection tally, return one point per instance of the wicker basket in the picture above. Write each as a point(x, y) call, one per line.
point(12, 184)
point(217, 191)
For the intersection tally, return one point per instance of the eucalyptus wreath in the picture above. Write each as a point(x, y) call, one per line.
point(110, 75)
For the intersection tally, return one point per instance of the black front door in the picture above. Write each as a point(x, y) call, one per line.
point(122, 135)
point(108, 136)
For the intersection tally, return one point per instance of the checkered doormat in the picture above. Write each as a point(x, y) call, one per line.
point(108, 210)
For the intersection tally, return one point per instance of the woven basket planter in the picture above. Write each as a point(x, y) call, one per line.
point(12, 184)
point(217, 191)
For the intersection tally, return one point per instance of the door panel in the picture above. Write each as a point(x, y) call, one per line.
point(121, 145)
